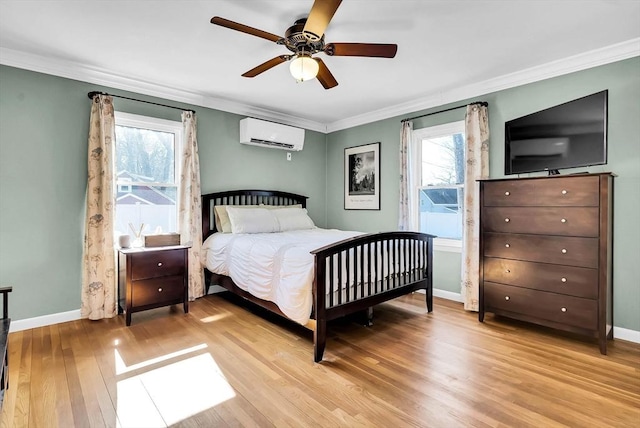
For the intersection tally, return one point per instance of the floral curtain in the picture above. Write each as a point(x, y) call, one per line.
point(189, 211)
point(407, 199)
point(98, 263)
point(477, 158)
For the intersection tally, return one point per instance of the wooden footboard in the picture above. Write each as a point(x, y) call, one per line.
point(358, 273)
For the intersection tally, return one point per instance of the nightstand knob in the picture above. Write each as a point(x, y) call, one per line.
point(159, 264)
point(564, 251)
point(507, 245)
point(160, 290)
point(564, 220)
point(563, 279)
point(506, 297)
point(564, 192)
point(564, 309)
point(508, 271)
point(506, 220)
point(507, 193)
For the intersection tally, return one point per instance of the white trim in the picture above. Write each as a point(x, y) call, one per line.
point(583, 61)
point(76, 71)
point(626, 334)
point(449, 295)
point(44, 320)
point(447, 245)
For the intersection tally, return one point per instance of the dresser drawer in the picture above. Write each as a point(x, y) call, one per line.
point(562, 250)
point(156, 264)
point(157, 291)
point(569, 310)
point(566, 221)
point(565, 191)
point(570, 280)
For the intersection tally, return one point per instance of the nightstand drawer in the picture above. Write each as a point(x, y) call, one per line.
point(562, 250)
point(565, 221)
point(156, 264)
point(574, 311)
point(570, 280)
point(158, 290)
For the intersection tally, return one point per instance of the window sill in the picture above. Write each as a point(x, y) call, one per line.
point(447, 245)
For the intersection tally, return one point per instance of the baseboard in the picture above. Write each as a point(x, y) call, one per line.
point(43, 321)
point(626, 334)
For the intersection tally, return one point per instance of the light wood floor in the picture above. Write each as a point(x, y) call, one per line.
point(222, 365)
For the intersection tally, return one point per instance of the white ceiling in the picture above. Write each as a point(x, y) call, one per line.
point(447, 50)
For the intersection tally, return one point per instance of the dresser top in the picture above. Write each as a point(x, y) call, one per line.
point(545, 177)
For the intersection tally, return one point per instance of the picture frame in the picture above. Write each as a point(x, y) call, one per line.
point(362, 177)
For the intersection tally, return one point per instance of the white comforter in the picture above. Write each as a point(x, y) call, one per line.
point(277, 267)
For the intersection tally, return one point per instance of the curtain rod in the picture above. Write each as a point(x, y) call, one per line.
point(482, 103)
point(94, 93)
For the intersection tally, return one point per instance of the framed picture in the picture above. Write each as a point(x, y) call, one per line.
point(362, 177)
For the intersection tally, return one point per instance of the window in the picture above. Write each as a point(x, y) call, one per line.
point(440, 181)
point(146, 160)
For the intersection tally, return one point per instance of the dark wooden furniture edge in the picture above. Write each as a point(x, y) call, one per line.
point(4, 342)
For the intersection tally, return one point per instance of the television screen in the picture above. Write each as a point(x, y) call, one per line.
point(573, 134)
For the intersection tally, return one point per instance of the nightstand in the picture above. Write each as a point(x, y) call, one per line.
point(151, 278)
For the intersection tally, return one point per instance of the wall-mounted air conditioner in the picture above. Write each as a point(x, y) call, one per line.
point(269, 134)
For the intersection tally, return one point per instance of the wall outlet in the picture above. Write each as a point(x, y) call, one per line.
point(288, 156)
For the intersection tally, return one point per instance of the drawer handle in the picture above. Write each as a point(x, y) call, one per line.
point(506, 297)
point(563, 279)
point(564, 309)
point(564, 251)
point(508, 271)
point(564, 192)
point(160, 290)
point(159, 264)
point(506, 220)
point(507, 193)
point(507, 245)
point(564, 220)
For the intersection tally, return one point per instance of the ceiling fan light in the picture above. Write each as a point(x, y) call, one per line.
point(303, 68)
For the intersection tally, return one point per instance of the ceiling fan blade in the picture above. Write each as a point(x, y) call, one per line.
point(324, 75)
point(267, 65)
point(321, 13)
point(244, 29)
point(380, 50)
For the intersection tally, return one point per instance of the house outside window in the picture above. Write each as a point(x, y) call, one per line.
point(146, 160)
point(440, 182)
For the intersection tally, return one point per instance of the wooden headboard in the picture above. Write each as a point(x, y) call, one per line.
point(243, 197)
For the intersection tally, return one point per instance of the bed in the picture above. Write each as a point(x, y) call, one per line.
point(341, 273)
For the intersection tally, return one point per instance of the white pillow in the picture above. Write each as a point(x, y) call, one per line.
point(293, 219)
point(252, 220)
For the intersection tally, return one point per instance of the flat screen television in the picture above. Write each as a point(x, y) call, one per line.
point(569, 135)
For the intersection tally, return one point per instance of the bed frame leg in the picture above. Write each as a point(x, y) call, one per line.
point(369, 312)
point(429, 299)
point(319, 340)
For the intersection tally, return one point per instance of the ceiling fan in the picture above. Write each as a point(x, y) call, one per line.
point(305, 38)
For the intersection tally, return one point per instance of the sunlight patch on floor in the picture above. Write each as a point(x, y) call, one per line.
point(171, 393)
point(122, 368)
point(214, 318)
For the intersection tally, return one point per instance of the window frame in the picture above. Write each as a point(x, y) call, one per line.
point(440, 244)
point(153, 124)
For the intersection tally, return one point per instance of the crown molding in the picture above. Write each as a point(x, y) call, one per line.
point(76, 71)
point(594, 58)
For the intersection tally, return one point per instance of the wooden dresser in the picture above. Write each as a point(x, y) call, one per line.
point(152, 277)
point(545, 252)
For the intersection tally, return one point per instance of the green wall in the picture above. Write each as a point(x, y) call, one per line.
point(622, 79)
point(43, 140)
point(44, 125)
